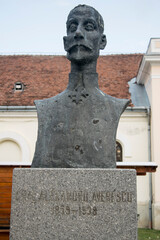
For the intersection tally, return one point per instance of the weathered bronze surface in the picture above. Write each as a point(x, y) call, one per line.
point(77, 128)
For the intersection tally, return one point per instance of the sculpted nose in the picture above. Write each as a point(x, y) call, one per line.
point(78, 34)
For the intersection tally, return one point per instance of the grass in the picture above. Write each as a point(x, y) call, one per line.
point(145, 234)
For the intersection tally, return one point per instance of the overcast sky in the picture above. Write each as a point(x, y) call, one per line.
point(38, 26)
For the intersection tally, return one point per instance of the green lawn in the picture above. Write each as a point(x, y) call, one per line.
point(144, 234)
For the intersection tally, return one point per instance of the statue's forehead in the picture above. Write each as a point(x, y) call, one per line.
point(82, 11)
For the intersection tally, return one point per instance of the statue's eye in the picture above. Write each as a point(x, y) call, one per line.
point(73, 27)
point(89, 26)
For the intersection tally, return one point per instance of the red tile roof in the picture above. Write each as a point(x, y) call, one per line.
point(46, 76)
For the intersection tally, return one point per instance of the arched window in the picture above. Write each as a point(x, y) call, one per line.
point(119, 154)
point(10, 151)
point(13, 149)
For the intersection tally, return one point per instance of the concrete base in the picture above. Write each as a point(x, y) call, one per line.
point(73, 204)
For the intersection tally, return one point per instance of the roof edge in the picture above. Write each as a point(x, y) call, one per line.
point(33, 108)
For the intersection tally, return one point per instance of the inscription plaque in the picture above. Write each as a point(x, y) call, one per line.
point(76, 204)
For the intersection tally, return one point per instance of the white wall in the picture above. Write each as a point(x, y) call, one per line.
point(149, 75)
point(133, 133)
point(18, 133)
point(155, 126)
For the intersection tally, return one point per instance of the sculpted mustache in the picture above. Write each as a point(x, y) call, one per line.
point(76, 45)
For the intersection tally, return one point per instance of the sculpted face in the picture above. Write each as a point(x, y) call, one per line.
point(84, 35)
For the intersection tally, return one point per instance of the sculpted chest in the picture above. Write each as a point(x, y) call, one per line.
point(77, 135)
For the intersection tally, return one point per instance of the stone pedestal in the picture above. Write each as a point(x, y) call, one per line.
point(73, 204)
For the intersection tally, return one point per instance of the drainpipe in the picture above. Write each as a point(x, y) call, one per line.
point(150, 174)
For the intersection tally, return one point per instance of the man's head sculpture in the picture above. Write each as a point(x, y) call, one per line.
point(85, 36)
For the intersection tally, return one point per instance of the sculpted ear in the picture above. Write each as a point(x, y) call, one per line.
point(64, 42)
point(103, 42)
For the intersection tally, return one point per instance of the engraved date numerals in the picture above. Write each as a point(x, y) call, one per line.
point(78, 211)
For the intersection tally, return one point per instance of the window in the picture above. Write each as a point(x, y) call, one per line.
point(119, 157)
point(18, 86)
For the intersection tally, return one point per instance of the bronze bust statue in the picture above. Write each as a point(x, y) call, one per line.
point(77, 128)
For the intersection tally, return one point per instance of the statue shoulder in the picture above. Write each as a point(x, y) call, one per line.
point(47, 103)
point(116, 104)
point(41, 105)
